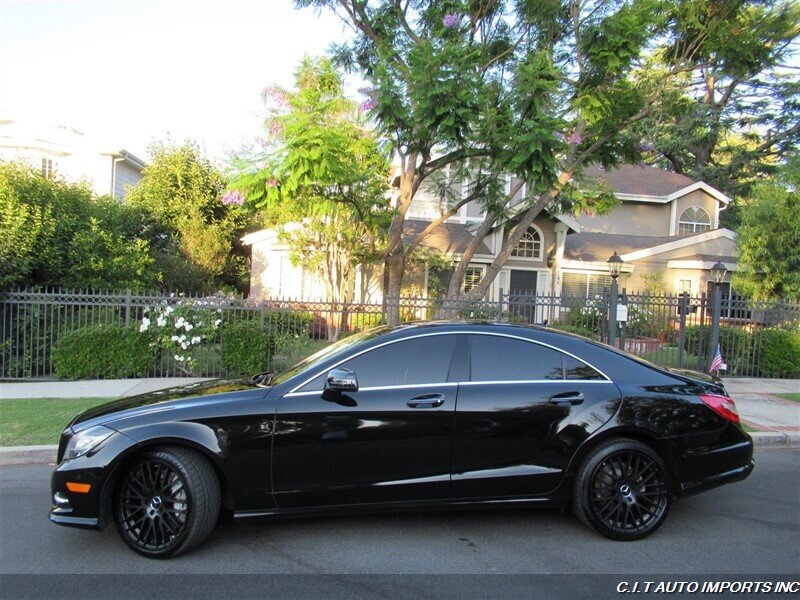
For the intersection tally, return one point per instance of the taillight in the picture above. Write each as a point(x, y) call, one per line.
point(722, 405)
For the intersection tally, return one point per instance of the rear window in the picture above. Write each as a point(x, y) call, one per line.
point(495, 358)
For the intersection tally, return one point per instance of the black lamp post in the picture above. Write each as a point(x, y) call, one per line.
point(614, 269)
point(718, 272)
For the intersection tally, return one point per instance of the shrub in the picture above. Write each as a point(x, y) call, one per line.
point(363, 321)
point(736, 344)
point(779, 354)
point(576, 329)
point(182, 329)
point(246, 350)
point(103, 351)
point(284, 322)
point(586, 318)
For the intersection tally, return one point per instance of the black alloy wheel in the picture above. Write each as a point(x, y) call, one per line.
point(622, 490)
point(167, 502)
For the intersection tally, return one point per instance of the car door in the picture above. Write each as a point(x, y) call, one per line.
point(522, 414)
point(389, 441)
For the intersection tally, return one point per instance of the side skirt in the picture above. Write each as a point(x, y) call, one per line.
point(384, 507)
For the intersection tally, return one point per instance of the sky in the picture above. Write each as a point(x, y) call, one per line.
point(128, 73)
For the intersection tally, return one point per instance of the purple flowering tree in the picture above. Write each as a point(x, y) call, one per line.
point(323, 184)
point(534, 89)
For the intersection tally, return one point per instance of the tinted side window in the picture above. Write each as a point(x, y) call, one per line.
point(496, 358)
point(419, 360)
point(576, 369)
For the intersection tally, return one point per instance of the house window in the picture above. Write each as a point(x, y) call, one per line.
point(529, 246)
point(472, 278)
point(585, 285)
point(684, 285)
point(47, 167)
point(307, 287)
point(693, 220)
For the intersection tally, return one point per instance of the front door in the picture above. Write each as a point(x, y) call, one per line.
point(523, 283)
point(525, 410)
point(389, 441)
point(522, 286)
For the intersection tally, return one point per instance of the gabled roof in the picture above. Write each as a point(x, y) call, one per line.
point(597, 247)
point(648, 184)
point(448, 237)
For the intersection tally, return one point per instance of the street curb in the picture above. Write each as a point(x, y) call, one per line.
point(24, 455)
point(776, 439)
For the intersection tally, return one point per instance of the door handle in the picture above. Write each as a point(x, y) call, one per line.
point(426, 401)
point(567, 398)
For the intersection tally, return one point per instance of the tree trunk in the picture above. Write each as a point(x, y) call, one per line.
point(448, 310)
point(395, 266)
point(479, 291)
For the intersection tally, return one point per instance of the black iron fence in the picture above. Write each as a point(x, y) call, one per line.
point(47, 334)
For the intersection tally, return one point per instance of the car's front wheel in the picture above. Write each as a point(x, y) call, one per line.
point(167, 501)
point(622, 490)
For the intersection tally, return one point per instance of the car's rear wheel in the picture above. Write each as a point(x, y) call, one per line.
point(622, 490)
point(167, 501)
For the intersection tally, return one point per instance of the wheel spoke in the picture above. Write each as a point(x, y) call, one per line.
point(623, 511)
point(145, 521)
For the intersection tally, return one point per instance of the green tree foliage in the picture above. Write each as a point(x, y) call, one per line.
point(769, 238)
point(58, 234)
point(322, 180)
point(194, 230)
point(732, 114)
point(535, 88)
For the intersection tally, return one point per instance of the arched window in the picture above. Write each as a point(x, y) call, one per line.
point(529, 245)
point(694, 219)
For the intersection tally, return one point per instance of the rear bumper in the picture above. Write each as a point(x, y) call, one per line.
point(727, 461)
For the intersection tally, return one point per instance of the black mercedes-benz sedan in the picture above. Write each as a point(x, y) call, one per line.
point(416, 416)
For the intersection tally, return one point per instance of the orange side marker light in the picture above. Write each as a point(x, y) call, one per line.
point(79, 488)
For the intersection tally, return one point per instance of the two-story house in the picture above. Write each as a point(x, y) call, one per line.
point(666, 228)
point(69, 153)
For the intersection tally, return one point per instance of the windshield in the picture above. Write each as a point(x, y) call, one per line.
point(328, 352)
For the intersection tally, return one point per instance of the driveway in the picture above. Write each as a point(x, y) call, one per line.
point(750, 527)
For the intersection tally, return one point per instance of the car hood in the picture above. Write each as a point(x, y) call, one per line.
point(206, 392)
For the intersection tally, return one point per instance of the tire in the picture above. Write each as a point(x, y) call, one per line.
point(167, 501)
point(622, 490)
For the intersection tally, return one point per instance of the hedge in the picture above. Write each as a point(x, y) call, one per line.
point(103, 352)
point(779, 352)
point(246, 350)
point(763, 353)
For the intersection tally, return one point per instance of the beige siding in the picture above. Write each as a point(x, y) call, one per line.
point(125, 175)
point(630, 218)
point(700, 199)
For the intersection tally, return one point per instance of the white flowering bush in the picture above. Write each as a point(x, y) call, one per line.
point(181, 328)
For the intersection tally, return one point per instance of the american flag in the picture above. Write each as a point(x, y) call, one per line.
point(717, 363)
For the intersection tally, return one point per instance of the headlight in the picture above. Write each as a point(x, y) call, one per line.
point(84, 441)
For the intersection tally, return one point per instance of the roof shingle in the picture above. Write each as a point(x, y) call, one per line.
point(638, 180)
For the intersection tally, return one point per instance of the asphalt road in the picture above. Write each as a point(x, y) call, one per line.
point(749, 527)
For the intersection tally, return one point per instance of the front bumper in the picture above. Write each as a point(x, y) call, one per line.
point(97, 470)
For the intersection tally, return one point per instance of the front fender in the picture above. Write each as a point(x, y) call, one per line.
point(239, 449)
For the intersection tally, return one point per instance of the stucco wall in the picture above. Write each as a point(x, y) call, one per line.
point(700, 199)
point(630, 218)
point(125, 175)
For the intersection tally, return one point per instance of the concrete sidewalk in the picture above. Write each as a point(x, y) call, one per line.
point(101, 388)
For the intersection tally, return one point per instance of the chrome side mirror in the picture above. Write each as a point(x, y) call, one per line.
point(343, 380)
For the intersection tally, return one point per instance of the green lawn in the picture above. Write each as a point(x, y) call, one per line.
point(34, 421)
point(793, 397)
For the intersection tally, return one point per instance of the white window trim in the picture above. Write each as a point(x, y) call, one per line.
point(541, 246)
point(481, 268)
point(695, 224)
